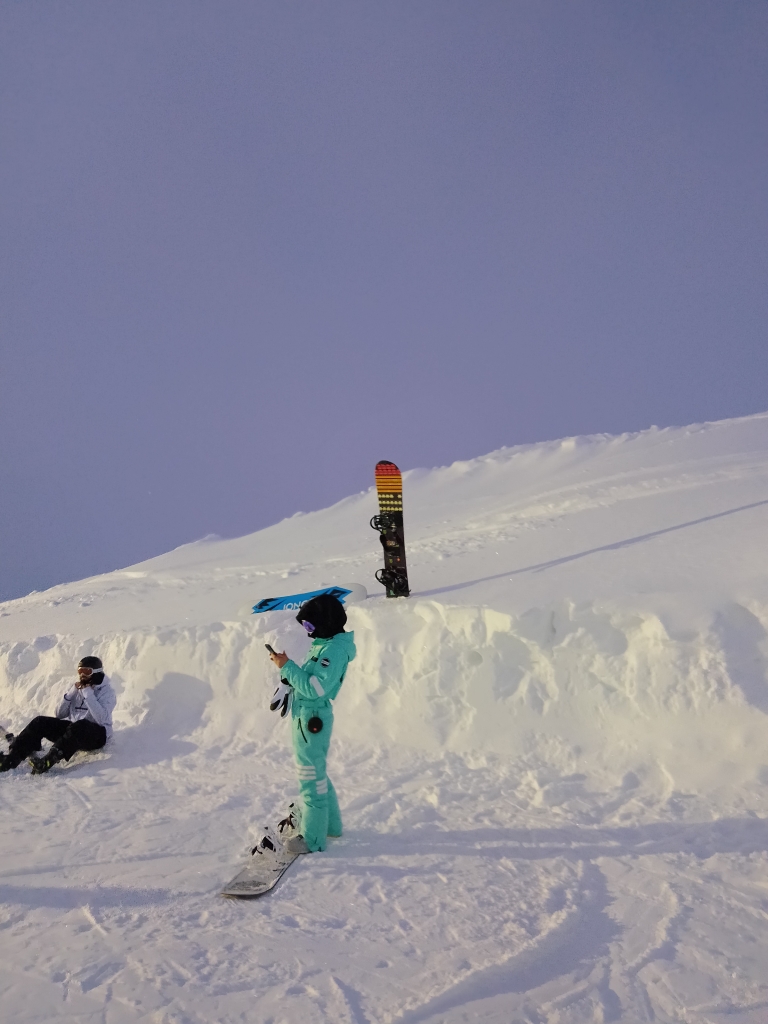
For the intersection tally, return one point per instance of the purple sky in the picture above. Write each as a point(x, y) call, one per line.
point(250, 248)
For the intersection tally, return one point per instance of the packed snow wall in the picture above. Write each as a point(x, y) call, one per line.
point(573, 692)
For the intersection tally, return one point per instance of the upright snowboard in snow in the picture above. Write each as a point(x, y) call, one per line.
point(262, 873)
point(389, 523)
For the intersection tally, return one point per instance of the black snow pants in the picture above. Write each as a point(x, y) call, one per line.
point(68, 736)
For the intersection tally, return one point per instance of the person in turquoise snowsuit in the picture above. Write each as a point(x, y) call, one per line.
point(314, 685)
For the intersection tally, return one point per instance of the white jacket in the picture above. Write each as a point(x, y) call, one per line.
point(95, 703)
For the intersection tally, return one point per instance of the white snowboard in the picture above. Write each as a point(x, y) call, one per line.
point(261, 873)
point(81, 757)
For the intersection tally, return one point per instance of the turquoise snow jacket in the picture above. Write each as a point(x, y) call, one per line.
point(319, 679)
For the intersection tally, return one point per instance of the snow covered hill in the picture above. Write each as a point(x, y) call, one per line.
point(552, 759)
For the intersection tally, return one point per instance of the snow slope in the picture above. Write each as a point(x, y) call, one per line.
point(552, 759)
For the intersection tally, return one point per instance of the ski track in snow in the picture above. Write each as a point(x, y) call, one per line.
point(411, 917)
point(553, 777)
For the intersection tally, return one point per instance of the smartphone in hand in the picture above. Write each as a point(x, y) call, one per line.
point(270, 648)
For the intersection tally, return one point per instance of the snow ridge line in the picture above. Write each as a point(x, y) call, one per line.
point(435, 677)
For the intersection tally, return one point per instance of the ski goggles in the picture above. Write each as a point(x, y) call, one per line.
point(308, 626)
point(84, 670)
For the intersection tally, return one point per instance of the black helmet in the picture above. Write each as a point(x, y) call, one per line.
point(326, 613)
point(92, 662)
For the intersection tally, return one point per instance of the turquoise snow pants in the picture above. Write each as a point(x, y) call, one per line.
point(321, 816)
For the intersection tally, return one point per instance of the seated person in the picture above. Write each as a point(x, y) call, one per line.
point(83, 722)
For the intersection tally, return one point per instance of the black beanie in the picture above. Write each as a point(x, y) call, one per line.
point(326, 613)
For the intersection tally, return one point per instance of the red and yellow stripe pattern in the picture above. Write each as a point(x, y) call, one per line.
point(389, 487)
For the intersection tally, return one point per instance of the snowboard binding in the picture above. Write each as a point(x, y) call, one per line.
point(395, 581)
point(384, 523)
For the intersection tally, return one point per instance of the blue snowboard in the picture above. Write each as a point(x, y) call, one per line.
point(294, 601)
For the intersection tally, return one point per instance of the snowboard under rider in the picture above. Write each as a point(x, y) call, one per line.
point(309, 689)
point(83, 722)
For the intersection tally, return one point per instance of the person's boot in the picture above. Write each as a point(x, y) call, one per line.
point(296, 845)
point(43, 764)
point(8, 762)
